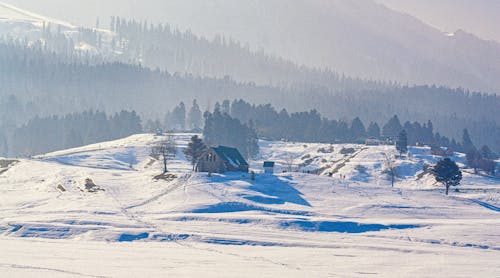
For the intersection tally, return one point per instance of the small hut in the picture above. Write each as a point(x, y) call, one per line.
point(269, 167)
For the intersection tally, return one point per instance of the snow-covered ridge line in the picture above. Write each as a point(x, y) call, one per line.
point(23, 15)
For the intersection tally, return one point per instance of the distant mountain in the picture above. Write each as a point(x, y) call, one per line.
point(356, 37)
point(479, 17)
point(165, 47)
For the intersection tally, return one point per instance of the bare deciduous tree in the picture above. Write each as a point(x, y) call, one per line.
point(165, 150)
point(390, 168)
point(289, 162)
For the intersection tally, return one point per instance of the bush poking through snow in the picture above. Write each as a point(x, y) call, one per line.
point(61, 188)
point(5, 163)
point(166, 177)
point(346, 151)
point(326, 150)
point(91, 187)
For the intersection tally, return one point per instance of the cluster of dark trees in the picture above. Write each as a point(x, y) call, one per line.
point(179, 119)
point(482, 159)
point(46, 84)
point(221, 129)
point(311, 126)
point(42, 135)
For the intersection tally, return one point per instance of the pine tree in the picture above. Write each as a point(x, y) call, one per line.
point(392, 128)
point(178, 117)
point(447, 172)
point(195, 116)
point(486, 152)
point(373, 130)
point(467, 144)
point(195, 150)
point(358, 131)
point(474, 158)
point(402, 142)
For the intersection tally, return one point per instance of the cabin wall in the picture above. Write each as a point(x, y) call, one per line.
point(214, 165)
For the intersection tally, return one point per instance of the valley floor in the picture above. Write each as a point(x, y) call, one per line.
point(97, 211)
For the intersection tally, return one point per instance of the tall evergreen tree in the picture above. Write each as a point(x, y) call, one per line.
point(373, 130)
point(195, 116)
point(195, 149)
point(221, 129)
point(178, 116)
point(358, 131)
point(392, 128)
point(402, 142)
point(467, 144)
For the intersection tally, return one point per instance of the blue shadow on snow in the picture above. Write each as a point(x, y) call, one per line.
point(341, 227)
point(239, 207)
point(129, 237)
point(277, 191)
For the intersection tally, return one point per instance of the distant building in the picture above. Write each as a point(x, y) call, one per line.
point(222, 159)
point(269, 167)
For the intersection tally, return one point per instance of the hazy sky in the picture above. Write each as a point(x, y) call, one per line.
point(480, 17)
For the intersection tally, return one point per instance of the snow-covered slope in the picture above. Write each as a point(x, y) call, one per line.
point(103, 200)
point(20, 24)
point(11, 14)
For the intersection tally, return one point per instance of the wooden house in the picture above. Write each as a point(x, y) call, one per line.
point(222, 159)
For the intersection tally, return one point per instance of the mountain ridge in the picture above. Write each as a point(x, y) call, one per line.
point(357, 38)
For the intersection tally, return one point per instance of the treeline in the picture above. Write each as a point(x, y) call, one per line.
point(45, 84)
point(162, 46)
point(222, 130)
point(311, 126)
point(42, 135)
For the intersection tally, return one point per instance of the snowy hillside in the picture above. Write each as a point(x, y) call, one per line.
point(25, 25)
point(105, 206)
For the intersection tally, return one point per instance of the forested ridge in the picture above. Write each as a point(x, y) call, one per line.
point(37, 82)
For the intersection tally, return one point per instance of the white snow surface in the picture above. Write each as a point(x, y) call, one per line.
point(352, 224)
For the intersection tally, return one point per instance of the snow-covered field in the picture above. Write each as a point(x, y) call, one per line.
point(97, 211)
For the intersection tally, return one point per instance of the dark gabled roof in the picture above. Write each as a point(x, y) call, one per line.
point(269, 164)
point(231, 155)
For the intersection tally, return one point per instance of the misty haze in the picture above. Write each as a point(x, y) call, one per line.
point(252, 138)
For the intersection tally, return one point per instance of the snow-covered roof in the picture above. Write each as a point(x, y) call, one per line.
point(231, 155)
